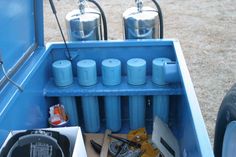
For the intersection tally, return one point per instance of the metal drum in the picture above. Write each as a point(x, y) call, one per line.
point(141, 23)
point(83, 25)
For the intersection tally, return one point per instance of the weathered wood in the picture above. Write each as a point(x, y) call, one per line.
point(105, 145)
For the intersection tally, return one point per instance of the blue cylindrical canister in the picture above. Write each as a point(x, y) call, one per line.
point(111, 72)
point(158, 70)
point(87, 76)
point(91, 113)
point(160, 102)
point(137, 112)
point(113, 113)
point(86, 72)
point(62, 72)
point(136, 71)
point(111, 75)
point(70, 107)
point(161, 107)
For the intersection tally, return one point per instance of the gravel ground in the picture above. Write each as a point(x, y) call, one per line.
point(206, 30)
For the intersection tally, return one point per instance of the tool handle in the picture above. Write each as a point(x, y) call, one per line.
point(105, 145)
point(130, 143)
point(97, 147)
point(52, 6)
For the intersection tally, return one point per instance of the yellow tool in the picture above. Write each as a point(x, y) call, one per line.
point(139, 135)
point(149, 150)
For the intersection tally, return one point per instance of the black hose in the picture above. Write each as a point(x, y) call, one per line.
point(103, 18)
point(160, 18)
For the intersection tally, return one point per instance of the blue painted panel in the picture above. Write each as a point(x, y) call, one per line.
point(17, 29)
point(4, 134)
point(122, 89)
point(98, 51)
point(29, 108)
point(190, 115)
point(186, 129)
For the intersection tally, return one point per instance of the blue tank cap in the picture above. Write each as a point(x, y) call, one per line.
point(136, 71)
point(62, 73)
point(158, 70)
point(87, 72)
point(111, 72)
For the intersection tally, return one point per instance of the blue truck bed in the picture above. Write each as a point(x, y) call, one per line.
point(31, 68)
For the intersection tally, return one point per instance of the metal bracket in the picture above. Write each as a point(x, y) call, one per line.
point(82, 6)
point(139, 4)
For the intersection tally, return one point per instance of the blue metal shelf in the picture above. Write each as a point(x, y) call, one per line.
point(123, 89)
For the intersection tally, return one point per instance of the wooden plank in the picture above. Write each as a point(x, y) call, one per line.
point(105, 145)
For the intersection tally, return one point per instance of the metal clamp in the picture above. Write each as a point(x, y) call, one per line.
point(82, 6)
point(139, 4)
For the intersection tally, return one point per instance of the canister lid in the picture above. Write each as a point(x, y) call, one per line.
point(61, 63)
point(111, 72)
point(136, 71)
point(135, 19)
point(136, 62)
point(86, 63)
point(160, 61)
point(111, 62)
point(62, 73)
point(86, 72)
point(158, 76)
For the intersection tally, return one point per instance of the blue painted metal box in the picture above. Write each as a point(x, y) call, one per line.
point(29, 63)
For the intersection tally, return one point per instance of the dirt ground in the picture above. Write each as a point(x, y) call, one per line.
point(206, 30)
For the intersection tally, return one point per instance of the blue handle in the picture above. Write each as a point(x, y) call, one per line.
point(171, 72)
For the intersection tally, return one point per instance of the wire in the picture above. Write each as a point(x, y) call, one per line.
point(58, 23)
point(63, 37)
point(9, 79)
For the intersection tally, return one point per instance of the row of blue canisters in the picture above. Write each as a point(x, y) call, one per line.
point(136, 73)
point(111, 76)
